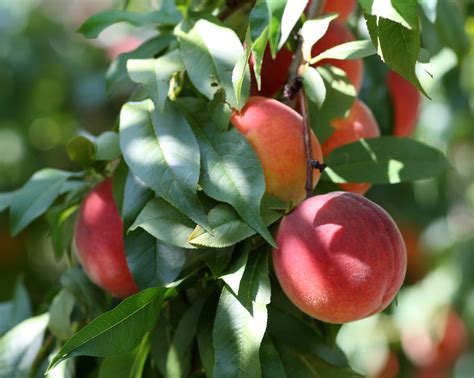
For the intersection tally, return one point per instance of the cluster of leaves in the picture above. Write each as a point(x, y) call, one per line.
point(192, 199)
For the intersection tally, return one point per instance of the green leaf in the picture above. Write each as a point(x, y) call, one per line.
point(402, 12)
point(291, 15)
point(65, 369)
point(61, 222)
point(227, 227)
point(314, 86)
point(19, 347)
point(259, 21)
point(117, 72)
point(232, 172)
point(81, 150)
point(178, 361)
point(237, 335)
point(107, 146)
point(165, 223)
point(136, 195)
point(5, 200)
point(384, 160)
point(210, 52)
point(312, 31)
point(151, 262)
point(398, 46)
point(204, 338)
point(255, 284)
point(349, 50)
point(276, 10)
point(161, 341)
point(155, 75)
point(116, 331)
point(233, 275)
point(129, 365)
point(60, 312)
point(217, 259)
point(309, 366)
point(272, 367)
point(162, 151)
point(94, 25)
point(241, 76)
point(16, 310)
point(35, 197)
point(339, 96)
point(429, 9)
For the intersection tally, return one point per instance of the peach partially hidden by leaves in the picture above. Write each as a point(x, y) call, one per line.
point(99, 242)
point(275, 132)
point(342, 7)
point(338, 34)
point(406, 101)
point(360, 123)
point(340, 257)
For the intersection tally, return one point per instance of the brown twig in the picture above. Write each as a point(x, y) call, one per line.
point(297, 69)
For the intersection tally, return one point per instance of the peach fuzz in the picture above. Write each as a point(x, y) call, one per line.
point(340, 257)
point(99, 242)
point(360, 123)
point(343, 8)
point(406, 101)
point(275, 132)
point(338, 34)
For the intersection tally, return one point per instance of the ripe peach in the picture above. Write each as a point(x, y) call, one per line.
point(342, 7)
point(99, 242)
point(340, 257)
point(274, 72)
point(436, 350)
point(360, 123)
point(275, 131)
point(337, 34)
point(406, 102)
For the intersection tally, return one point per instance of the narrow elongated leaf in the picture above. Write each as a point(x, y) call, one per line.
point(228, 228)
point(19, 347)
point(429, 9)
point(312, 31)
point(165, 223)
point(292, 13)
point(210, 52)
point(16, 310)
point(161, 150)
point(349, 50)
point(117, 72)
point(35, 197)
point(5, 200)
point(116, 331)
point(403, 12)
point(5, 314)
point(151, 262)
point(61, 221)
point(155, 75)
point(233, 275)
point(314, 86)
point(94, 25)
point(128, 365)
point(178, 361)
point(385, 160)
point(237, 335)
point(255, 284)
point(232, 170)
point(272, 367)
point(60, 314)
point(241, 75)
point(276, 11)
point(259, 21)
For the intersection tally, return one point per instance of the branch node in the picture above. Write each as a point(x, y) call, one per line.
point(317, 165)
point(291, 89)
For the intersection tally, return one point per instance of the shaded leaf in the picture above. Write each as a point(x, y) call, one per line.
point(116, 331)
point(349, 50)
point(384, 160)
point(272, 367)
point(60, 314)
point(136, 194)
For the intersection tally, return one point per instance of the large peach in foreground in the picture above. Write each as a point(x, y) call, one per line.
point(360, 123)
point(340, 257)
point(99, 242)
point(275, 132)
point(406, 101)
point(338, 34)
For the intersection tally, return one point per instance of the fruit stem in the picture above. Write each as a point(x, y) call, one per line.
point(307, 144)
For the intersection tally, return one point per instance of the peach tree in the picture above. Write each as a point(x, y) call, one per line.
point(237, 112)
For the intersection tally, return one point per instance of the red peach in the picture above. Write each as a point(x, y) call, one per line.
point(342, 7)
point(275, 132)
point(360, 123)
point(406, 102)
point(99, 242)
point(340, 257)
point(338, 34)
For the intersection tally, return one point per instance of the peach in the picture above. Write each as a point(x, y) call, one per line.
point(99, 242)
point(338, 34)
point(360, 123)
point(274, 72)
point(406, 101)
point(436, 350)
point(340, 257)
point(275, 132)
point(342, 7)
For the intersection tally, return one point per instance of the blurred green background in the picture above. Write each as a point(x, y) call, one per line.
point(52, 86)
